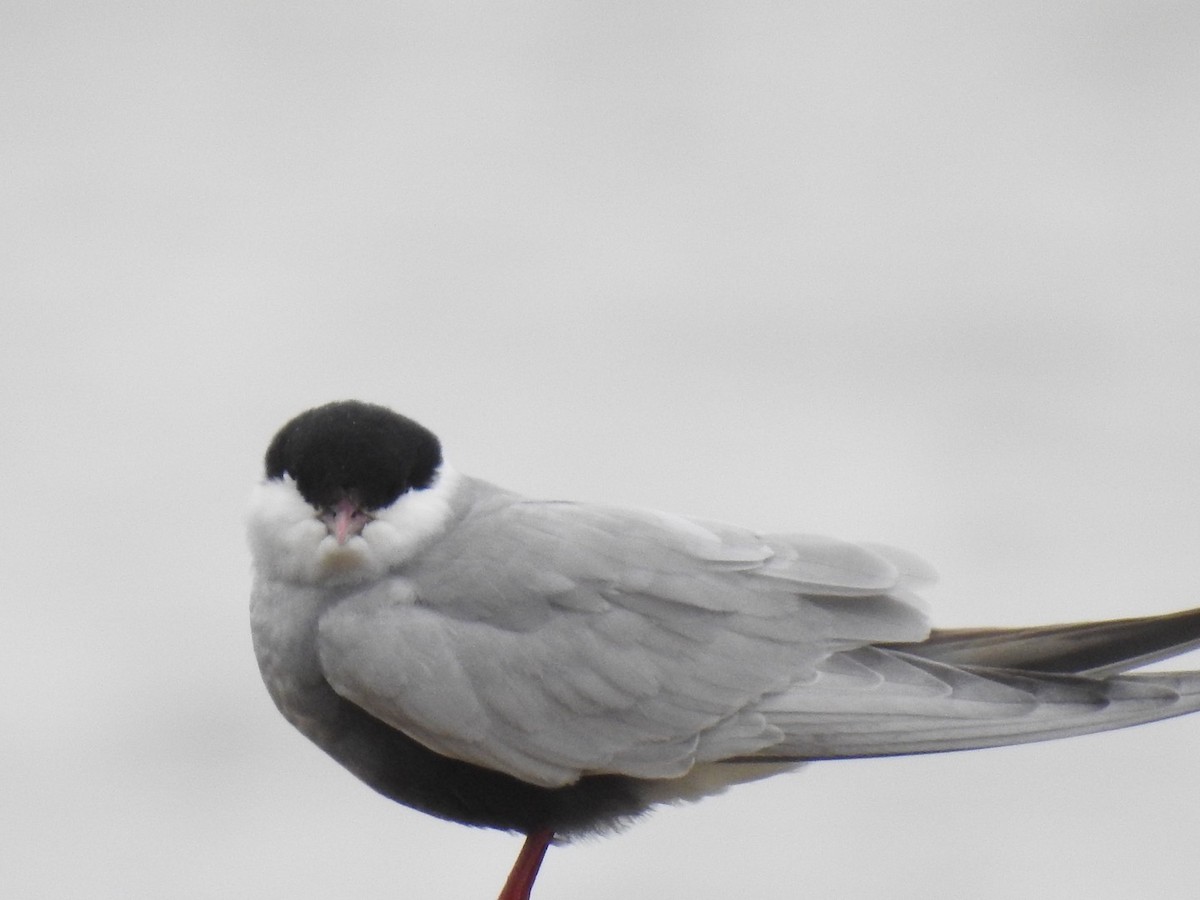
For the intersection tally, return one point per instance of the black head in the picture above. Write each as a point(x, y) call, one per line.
point(353, 450)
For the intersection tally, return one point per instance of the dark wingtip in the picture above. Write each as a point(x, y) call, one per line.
point(353, 449)
point(1083, 648)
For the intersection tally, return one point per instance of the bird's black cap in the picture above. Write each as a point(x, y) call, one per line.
point(354, 450)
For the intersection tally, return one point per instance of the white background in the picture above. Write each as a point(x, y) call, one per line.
point(922, 273)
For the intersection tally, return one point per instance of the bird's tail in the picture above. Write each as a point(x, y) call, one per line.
point(963, 690)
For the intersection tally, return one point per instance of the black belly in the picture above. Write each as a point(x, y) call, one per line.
point(410, 773)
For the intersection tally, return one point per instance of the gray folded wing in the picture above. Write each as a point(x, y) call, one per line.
point(552, 640)
point(884, 702)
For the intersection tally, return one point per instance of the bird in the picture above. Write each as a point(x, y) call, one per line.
point(556, 669)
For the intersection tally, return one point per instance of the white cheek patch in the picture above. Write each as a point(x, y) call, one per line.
point(289, 543)
point(400, 531)
point(284, 536)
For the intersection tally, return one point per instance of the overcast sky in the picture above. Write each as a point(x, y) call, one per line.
point(920, 273)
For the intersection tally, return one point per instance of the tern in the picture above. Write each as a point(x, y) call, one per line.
point(555, 669)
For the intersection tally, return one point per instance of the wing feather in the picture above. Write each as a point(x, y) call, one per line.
point(552, 640)
point(555, 640)
point(879, 702)
point(1093, 648)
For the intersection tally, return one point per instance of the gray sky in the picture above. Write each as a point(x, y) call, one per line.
point(917, 273)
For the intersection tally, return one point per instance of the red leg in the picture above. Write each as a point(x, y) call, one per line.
point(525, 869)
